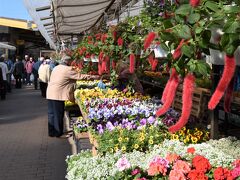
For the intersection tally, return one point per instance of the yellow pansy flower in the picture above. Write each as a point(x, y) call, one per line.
point(127, 139)
point(194, 139)
point(116, 148)
point(136, 146)
point(150, 141)
point(111, 150)
point(120, 139)
point(123, 148)
point(175, 137)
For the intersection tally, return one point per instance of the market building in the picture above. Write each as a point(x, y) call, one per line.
point(23, 35)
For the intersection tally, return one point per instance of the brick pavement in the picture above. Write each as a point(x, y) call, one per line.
point(26, 151)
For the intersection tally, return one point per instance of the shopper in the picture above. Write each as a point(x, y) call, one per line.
point(25, 60)
point(4, 69)
point(61, 88)
point(9, 64)
point(29, 69)
point(44, 72)
point(18, 71)
point(35, 71)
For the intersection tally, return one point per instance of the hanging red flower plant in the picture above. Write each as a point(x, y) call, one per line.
point(167, 87)
point(149, 39)
point(150, 59)
point(104, 37)
point(169, 95)
point(177, 53)
point(194, 3)
point(188, 88)
point(114, 34)
point(132, 63)
point(227, 75)
point(154, 64)
point(120, 41)
point(113, 64)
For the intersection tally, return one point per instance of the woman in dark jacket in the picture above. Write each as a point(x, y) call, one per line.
point(18, 71)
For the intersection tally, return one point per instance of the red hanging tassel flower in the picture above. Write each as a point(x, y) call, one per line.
point(167, 87)
point(170, 95)
point(227, 75)
point(132, 63)
point(113, 64)
point(150, 59)
point(114, 34)
point(228, 96)
point(177, 53)
point(104, 37)
point(194, 3)
point(100, 57)
point(154, 64)
point(188, 88)
point(120, 41)
point(149, 39)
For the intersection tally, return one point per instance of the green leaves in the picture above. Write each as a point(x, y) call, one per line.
point(198, 67)
point(184, 9)
point(232, 28)
point(231, 9)
point(183, 32)
point(213, 6)
point(187, 50)
point(193, 18)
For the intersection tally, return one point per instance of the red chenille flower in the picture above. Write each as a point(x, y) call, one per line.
point(149, 40)
point(177, 53)
point(120, 41)
point(194, 3)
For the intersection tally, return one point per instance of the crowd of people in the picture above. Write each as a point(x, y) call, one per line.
point(56, 83)
point(24, 71)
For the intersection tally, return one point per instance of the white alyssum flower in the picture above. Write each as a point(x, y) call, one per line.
point(83, 166)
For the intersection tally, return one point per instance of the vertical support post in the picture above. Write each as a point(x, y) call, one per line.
point(214, 114)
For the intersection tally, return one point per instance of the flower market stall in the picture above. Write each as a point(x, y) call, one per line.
point(154, 112)
point(139, 136)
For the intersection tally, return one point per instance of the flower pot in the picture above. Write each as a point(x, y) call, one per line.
point(83, 135)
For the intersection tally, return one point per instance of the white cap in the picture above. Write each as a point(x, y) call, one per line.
point(66, 58)
point(41, 58)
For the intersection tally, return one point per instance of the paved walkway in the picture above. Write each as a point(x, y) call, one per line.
point(26, 151)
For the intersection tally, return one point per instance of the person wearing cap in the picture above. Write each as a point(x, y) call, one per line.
point(36, 66)
point(61, 88)
point(44, 72)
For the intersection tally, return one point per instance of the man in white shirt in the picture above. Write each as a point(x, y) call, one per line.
point(4, 68)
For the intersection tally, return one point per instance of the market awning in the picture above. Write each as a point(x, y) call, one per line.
point(6, 46)
point(61, 20)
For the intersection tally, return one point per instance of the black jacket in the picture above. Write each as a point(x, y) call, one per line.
point(18, 68)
